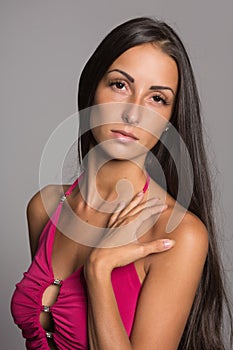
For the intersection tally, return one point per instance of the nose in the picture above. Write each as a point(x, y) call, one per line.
point(131, 114)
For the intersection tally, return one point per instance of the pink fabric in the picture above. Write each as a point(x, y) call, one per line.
point(70, 310)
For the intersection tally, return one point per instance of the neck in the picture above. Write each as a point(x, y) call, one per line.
point(111, 181)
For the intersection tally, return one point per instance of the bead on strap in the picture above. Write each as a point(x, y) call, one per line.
point(49, 335)
point(63, 198)
point(45, 308)
point(57, 282)
point(70, 189)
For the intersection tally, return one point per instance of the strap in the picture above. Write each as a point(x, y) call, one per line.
point(147, 183)
point(70, 189)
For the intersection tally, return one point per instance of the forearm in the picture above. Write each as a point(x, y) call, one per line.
point(105, 328)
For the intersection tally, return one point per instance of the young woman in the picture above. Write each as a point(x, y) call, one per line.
point(106, 272)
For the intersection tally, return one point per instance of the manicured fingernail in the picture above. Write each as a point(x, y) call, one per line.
point(140, 194)
point(121, 205)
point(168, 243)
point(154, 200)
point(164, 207)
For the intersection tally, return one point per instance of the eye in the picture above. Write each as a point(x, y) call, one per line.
point(119, 85)
point(159, 99)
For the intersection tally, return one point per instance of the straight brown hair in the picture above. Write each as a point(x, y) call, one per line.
point(203, 330)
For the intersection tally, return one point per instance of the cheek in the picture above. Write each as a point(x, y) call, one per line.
point(152, 128)
point(99, 133)
point(105, 114)
point(99, 98)
point(102, 94)
point(148, 140)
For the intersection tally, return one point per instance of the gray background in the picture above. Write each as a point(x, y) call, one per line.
point(44, 45)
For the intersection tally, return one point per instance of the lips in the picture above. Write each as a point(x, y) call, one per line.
point(124, 135)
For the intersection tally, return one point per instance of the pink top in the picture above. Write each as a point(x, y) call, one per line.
point(70, 309)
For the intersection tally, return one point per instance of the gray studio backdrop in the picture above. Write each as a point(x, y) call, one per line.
point(44, 45)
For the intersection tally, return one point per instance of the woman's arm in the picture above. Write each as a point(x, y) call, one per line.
point(166, 297)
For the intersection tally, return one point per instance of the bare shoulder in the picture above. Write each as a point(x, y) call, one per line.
point(178, 223)
point(189, 232)
point(40, 208)
point(44, 201)
point(191, 240)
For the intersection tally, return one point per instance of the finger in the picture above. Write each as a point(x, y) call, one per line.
point(132, 204)
point(147, 212)
point(141, 206)
point(156, 246)
point(134, 222)
point(136, 251)
point(137, 204)
point(122, 210)
point(116, 213)
point(125, 230)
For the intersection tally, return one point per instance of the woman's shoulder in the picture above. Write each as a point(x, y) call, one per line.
point(39, 210)
point(187, 230)
point(181, 224)
point(177, 222)
point(43, 201)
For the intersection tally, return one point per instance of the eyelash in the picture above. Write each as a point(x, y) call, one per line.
point(164, 100)
point(113, 83)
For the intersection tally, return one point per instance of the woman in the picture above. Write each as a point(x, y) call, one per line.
point(134, 284)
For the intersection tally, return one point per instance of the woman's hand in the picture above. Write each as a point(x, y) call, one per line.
point(172, 280)
point(119, 245)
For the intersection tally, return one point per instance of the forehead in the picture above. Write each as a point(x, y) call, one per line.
point(148, 62)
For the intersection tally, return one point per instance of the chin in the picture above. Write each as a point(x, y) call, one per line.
point(121, 152)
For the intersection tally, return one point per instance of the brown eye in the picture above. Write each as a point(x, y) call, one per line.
point(159, 99)
point(118, 84)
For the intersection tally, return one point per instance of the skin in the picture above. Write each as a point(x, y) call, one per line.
point(169, 275)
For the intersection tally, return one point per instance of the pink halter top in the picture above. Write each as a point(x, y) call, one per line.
point(69, 312)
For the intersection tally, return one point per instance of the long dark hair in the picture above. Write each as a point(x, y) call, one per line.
point(203, 329)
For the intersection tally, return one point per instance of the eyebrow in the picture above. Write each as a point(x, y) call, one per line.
point(158, 87)
point(131, 79)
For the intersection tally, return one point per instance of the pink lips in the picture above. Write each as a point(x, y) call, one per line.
point(124, 136)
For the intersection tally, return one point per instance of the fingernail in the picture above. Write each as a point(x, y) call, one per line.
point(154, 200)
point(168, 243)
point(140, 194)
point(164, 207)
point(121, 205)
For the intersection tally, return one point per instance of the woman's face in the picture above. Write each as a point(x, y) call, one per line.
point(135, 100)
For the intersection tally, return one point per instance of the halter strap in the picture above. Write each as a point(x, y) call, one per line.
point(146, 184)
point(70, 189)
